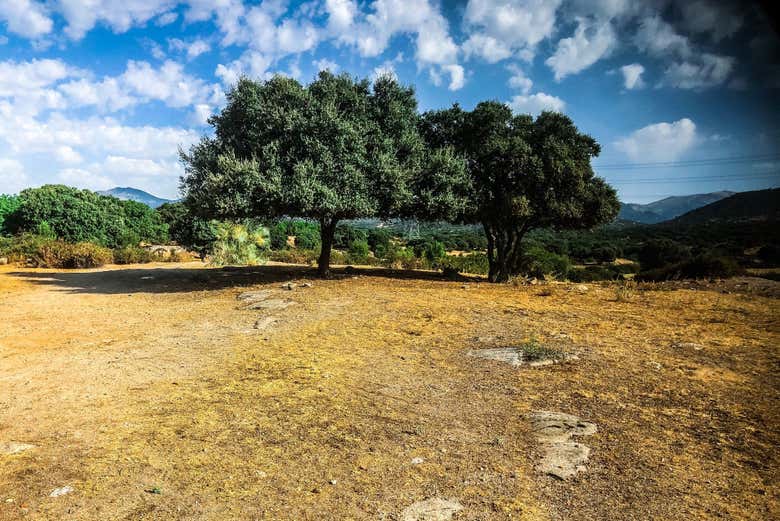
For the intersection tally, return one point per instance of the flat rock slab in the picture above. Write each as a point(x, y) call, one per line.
point(273, 303)
point(61, 491)
point(255, 296)
point(266, 322)
point(434, 509)
point(514, 356)
point(563, 458)
point(13, 447)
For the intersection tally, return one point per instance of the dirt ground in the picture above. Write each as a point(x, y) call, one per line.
point(149, 392)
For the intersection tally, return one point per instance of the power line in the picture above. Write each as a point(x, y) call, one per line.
point(691, 162)
point(738, 177)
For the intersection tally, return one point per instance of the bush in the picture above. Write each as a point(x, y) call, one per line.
point(133, 255)
point(475, 263)
point(295, 256)
point(656, 253)
point(538, 262)
point(358, 252)
point(306, 233)
point(596, 273)
point(379, 241)
point(60, 254)
point(187, 230)
point(702, 266)
point(8, 205)
point(346, 234)
point(83, 216)
point(240, 244)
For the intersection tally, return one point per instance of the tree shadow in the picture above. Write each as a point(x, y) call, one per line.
point(182, 279)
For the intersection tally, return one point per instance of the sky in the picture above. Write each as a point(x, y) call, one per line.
point(682, 96)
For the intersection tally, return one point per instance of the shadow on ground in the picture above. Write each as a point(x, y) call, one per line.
point(184, 279)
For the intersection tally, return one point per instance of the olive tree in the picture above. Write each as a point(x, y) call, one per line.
point(524, 173)
point(336, 149)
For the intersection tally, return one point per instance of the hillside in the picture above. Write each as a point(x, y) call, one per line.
point(759, 205)
point(669, 207)
point(134, 194)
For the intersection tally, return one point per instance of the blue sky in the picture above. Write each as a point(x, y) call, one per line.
point(681, 95)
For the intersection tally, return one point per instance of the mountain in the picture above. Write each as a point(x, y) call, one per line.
point(759, 205)
point(134, 194)
point(668, 208)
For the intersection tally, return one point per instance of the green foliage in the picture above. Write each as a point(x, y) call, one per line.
point(64, 255)
point(524, 174)
point(133, 255)
point(306, 233)
point(475, 263)
point(534, 351)
point(540, 263)
point(240, 244)
point(703, 266)
point(83, 216)
point(656, 253)
point(187, 230)
point(8, 205)
point(379, 241)
point(335, 149)
point(346, 234)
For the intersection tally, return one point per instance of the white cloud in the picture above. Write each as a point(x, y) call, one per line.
point(169, 84)
point(341, 13)
point(386, 69)
point(106, 95)
point(17, 78)
point(718, 19)
point(119, 16)
point(519, 80)
point(456, 73)
point(192, 49)
point(516, 25)
point(657, 37)
point(660, 141)
point(534, 104)
point(67, 155)
point(12, 176)
point(166, 19)
point(82, 178)
point(326, 65)
point(632, 76)
point(588, 45)
point(25, 18)
point(703, 71)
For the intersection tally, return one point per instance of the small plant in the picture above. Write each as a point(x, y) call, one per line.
point(238, 244)
point(535, 351)
point(625, 291)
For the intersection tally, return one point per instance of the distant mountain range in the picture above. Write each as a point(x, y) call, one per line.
point(668, 208)
point(759, 205)
point(134, 194)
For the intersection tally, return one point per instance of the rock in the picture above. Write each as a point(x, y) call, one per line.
point(264, 323)
point(3, 261)
point(289, 286)
point(307, 285)
point(13, 447)
point(254, 296)
point(514, 356)
point(417, 461)
point(688, 345)
point(274, 303)
point(57, 492)
point(434, 509)
point(581, 288)
point(563, 458)
point(334, 482)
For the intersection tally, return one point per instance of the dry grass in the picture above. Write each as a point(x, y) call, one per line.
point(131, 385)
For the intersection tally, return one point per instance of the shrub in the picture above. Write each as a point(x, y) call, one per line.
point(8, 205)
point(379, 241)
point(656, 253)
point(307, 234)
point(475, 263)
point(295, 256)
point(596, 273)
point(238, 244)
point(702, 266)
point(346, 234)
point(538, 262)
point(60, 254)
point(358, 252)
point(133, 255)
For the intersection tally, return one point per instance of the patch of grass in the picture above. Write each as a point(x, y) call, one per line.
point(535, 351)
point(625, 291)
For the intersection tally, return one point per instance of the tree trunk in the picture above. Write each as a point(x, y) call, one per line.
point(327, 230)
point(504, 252)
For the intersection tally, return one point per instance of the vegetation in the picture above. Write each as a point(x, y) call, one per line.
point(239, 244)
point(524, 174)
point(336, 149)
point(8, 205)
point(186, 229)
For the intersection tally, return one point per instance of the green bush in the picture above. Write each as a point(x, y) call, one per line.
point(346, 234)
point(187, 230)
point(538, 262)
point(294, 256)
point(8, 205)
point(358, 252)
point(475, 263)
point(379, 241)
point(240, 244)
point(656, 253)
point(83, 216)
point(702, 266)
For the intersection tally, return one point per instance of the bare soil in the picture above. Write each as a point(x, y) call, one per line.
point(148, 390)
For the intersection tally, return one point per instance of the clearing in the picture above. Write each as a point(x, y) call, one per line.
point(154, 392)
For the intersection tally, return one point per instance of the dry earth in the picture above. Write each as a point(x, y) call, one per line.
point(148, 391)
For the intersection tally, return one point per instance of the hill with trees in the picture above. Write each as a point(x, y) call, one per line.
point(134, 194)
point(668, 208)
point(758, 205)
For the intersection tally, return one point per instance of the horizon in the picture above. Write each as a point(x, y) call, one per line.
point(679, 94)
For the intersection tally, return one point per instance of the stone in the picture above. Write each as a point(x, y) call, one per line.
point(3, 261)
point(254, 296)
point(289, 286)
point(514, 356)
point(417, 461)
point(274, 303)
point(563, 458)
point(434, 509)
point(307, 285)
point(61, 491)
point(13, 447)
point(581, 288)
point(264, 323)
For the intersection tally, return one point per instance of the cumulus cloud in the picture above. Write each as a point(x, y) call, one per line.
point(659, 141)
point(501, 28)
point(588, 45)
point(719, 19)
point(13, 178)
point(192, 49)
point(119, 16)
point(534, 104)
point(518, 79)
point(706, 70)
point(25, 18)
point(632, 76)
point(326, 65)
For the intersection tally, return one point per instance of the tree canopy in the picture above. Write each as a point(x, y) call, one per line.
point(338, 148)
point(524, 173)
point(84, 216)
